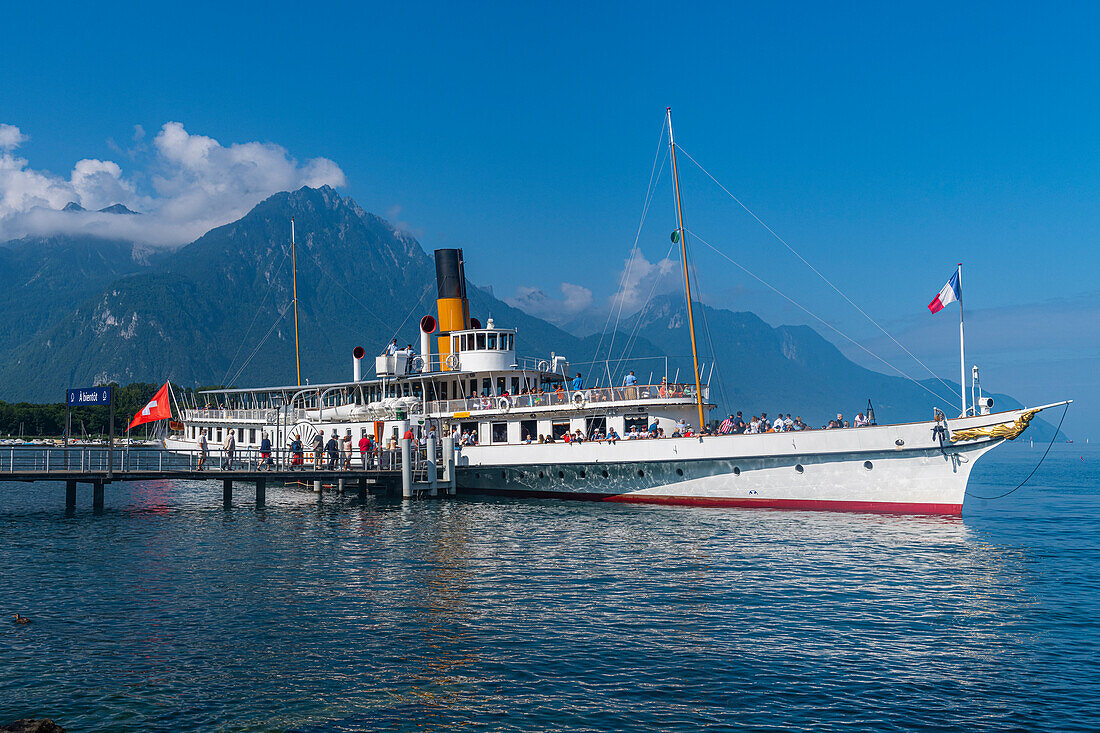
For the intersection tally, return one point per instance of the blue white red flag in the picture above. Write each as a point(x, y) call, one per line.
point(950, 293)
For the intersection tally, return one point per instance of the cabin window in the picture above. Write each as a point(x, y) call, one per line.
point(416, 390)
point(559, 429)
point(492, 338)
point(636, 422)
point(486, 387)
point(252, 435)
point(511, 338)
point(594, 425)
point(501, 382)
point(240, 435)
point(528, 430)
point(480, 342)
point(469, 427)
point(515, 385)
point(500, 432)
point(456, 344)
point(219, 438)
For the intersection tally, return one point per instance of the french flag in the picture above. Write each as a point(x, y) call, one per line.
point(950, 293)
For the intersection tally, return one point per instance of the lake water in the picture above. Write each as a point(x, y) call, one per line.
point(166, 612)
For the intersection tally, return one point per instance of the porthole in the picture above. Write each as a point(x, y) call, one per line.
point(561, 474)
point(503, 475)
point(542, 475)
point(799, 468)
point(736, 471)
point(582, 473)
point(641, 473)
point(477, 475)
point(605, 474)
point(679, 472)
point(868, 465)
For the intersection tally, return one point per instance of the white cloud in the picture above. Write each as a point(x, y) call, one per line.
point(10, 137)
point(575, 299)
point(196, 184)
point(639, 280)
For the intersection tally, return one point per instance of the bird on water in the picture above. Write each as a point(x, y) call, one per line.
point(21, 619)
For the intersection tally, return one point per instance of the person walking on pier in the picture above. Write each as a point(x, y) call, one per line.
point(346, 450)
point(318, 451)
point(365, 449)
point(265, 452)
point(228, 447)
point(295, 453)
point(333, 449)
point(204, 448)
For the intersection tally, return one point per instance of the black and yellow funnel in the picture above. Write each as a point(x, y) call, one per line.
point(451, 303)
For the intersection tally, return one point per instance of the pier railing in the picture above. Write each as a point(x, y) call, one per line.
point(97, 459)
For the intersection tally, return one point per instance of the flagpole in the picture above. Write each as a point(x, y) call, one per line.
point(962, 347)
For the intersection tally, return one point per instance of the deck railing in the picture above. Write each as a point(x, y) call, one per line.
point(643, 393)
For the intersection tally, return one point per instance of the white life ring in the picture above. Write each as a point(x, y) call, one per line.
point(418, 363)
point(579, 399)
point(504, 404)
point(544, 366)
point(452, 361)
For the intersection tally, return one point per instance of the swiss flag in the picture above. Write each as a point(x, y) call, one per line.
point(157, 409)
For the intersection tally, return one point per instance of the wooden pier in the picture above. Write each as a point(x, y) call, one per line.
point(99, 466)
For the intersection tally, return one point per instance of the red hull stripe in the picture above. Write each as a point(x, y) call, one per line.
point(818, 505)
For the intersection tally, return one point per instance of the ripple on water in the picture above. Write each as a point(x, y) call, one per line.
point(165, 611)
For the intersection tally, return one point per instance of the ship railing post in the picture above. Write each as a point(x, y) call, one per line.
point(431, 466)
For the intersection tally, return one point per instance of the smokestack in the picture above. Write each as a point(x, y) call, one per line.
point(356, 361)
point(427, 328)
point(451, 302)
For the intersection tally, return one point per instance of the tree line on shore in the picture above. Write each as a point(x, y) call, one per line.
point(39, 420)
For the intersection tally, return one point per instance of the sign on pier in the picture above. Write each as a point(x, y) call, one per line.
point(88, 396)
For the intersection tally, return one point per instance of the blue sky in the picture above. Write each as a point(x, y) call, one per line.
point(884, 142)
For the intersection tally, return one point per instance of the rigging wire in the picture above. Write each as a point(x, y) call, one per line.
point(262, 342)
point(820, 319)
point(706, 329)
point(1021, 484)
point(256, 315)
point(818, 273)
point(632, 339)
point(655, 170)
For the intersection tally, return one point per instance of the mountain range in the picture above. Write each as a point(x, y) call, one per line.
point(218, 311)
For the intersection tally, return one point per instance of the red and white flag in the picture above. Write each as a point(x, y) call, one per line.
point(157, 409)
point(951, 292)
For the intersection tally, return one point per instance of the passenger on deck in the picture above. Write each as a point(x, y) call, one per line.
point(578, 383)
point(318, 451)
point(861, 421)
point(391, 349)
point(364, 448)
point(612, 436)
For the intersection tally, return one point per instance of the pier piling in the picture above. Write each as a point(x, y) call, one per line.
point(227, 492)
point(362, 489)
point(70, 495)
point(261, 492)
point(406, 469)
point(433, 475)
point(449, 463)
point(340, 486)
point(97, 494)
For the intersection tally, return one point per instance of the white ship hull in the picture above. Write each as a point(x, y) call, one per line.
point(891, 468)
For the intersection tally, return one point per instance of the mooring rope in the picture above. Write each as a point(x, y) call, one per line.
point(1021, 484)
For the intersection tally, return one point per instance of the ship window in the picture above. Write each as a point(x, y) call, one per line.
point(559, 429)
point(480, 342)
point(511, 339)
point(799, 468)
point(456, 344)
point(868, 465)
point(528, 430)
point(636, 422)
point(500, 432)
point(605, 473)
point(252, 435)
point(492, 339)
point(501, 382)
point(219, 438)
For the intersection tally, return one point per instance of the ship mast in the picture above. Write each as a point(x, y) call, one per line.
point(684, 260)
point(294, 271)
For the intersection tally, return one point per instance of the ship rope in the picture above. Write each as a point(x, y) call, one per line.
point(654, 177)
point(819, 319)
point(1021, 484)
point(256, 315)
point(818, 273)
